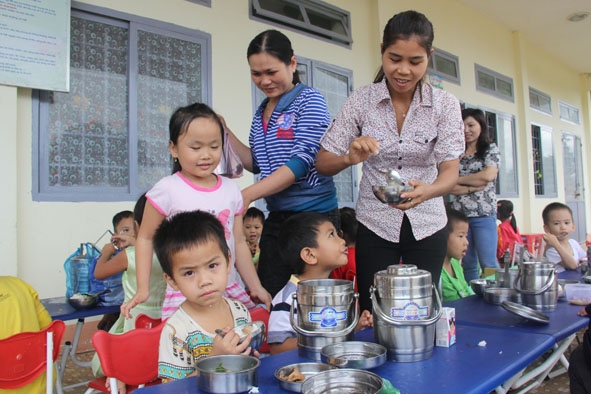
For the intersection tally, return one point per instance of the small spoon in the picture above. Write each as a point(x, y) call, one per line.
point(392, 175)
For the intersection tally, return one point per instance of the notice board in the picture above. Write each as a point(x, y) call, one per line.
point(35, 44)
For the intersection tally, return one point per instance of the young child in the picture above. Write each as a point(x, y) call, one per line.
point(125, 262)
point(349, 225)
point(253, 222)
point(195, 258)
point(508, 232)
point(562, 251)
point(453, 284)
point(311, 246)
point(124, 235)
point(196, 141)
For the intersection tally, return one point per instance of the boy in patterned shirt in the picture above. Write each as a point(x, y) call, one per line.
point(195, 258)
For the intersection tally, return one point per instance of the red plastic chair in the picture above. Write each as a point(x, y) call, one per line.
point(131, 357)
point(25, 356)
point(262, 314)
point(145, 321)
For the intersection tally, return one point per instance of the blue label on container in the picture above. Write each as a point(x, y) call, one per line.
point(410, 311)
point(327, 317)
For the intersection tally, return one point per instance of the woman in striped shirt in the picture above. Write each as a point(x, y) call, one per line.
point(284, 141)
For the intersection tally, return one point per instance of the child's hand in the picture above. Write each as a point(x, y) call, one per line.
point(365, 320)
point(228, 343)
point(551, 240)
point(122, 241)
point(138, 298)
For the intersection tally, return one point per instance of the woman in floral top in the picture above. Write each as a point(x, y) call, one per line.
point(475, 193)
point(399, 122)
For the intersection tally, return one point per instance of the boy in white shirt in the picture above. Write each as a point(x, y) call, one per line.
point(562, 251)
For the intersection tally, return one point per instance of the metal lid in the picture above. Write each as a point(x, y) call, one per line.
point(525, 312)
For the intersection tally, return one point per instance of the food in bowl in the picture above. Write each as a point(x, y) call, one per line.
point(255, 329)
point(230, 373)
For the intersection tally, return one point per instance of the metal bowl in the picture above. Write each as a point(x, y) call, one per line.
point(80, 301)
point(479, 285)
point(390, 194)
point(343, 381)
point(306, 369)
point(240, 373)
point(587, 279)
point(256, 329)
point(496, 295)
point(358, 355)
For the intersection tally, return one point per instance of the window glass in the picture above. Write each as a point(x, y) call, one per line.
point(87, 127)
point(543, 161)
point(168, 78)
point(486, 81)
point(446, 66)
point(107, 139)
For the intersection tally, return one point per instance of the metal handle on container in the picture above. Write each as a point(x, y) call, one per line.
point(546, 286)
point(329, 334)
point(396, 322)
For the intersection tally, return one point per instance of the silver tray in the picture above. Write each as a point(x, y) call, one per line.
point(343, 381)
point(358, 355)
point(307, 369)
point(525, 312)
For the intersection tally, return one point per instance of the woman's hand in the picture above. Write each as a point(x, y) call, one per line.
point(261, 296)
point(413, 198)
point(361, 149)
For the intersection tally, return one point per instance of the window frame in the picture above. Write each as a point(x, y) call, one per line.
point(43, 192)
point(564, 106)
point(540, 94)
point(497, 77)
point(343, 17)
point(432, 69)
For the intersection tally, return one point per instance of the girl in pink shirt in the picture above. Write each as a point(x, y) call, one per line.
point(196, 141)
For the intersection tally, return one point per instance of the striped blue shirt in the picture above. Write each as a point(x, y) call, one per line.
point(293, 139)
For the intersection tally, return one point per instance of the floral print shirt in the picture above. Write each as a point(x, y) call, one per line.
point(431, 134)
point(484, 202)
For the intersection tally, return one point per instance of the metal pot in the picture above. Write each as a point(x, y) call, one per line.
point(240, 377)
point(538, 285)
point(327, 312)
point(404, 316)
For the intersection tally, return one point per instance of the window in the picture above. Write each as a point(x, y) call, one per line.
point(315, 17)
point(543, 161)
point(569, 113)
point(335, 84)
point(501, 129)
point(540, 101)
point(446, 65)
point(493, 83)
point(107, 139)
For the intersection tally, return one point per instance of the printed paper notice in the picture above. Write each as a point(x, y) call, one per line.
point(35, 44)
